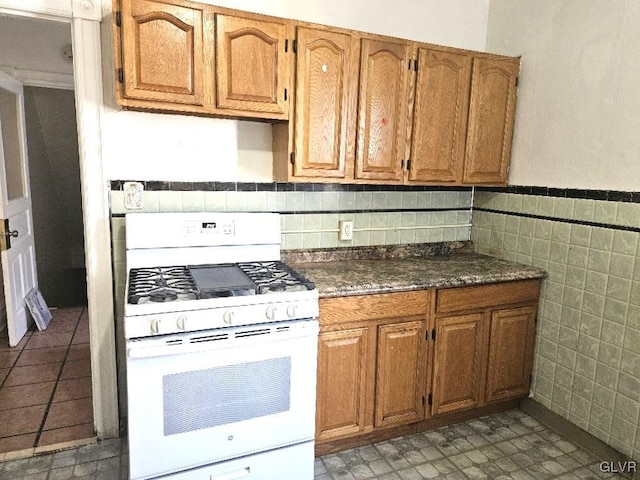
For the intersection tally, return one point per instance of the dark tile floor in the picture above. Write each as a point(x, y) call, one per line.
point(504, 446)
point(45, 384)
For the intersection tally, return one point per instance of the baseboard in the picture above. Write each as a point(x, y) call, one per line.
point(576, 435)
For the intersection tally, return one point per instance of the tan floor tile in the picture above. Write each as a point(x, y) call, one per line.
point(41, 356)
point(4, 343)
point(3, 374)
point(18, 421)
point(33, 374)
point(61, 327)
point(26, 395)
point(76, 368)
point(81, 336)
point(66, 434)
point(70, 413)
point(47, 340)
point(79, 352)
point(18, 442)
point(7, 359)
point(72, 389)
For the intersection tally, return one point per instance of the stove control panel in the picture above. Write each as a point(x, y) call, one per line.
point(211, 228)
point(209, 318)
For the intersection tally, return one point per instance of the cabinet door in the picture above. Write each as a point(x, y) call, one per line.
point(162, 52)
point(325, 103)
point(383, 108)
point(342, 383)
point(511, 340)
point(491, 116)
point(440, 116)
point(251, 68)
point(400, 373)
point(458, 363)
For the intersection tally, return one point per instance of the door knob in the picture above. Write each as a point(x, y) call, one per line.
point(12, 233)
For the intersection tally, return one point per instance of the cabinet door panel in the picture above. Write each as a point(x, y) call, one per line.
point(342, 383)
point(458, 361)
point(250, 65)
point(400, 374)
point(491, 116)
point(383, 109)
point(440, 116)
point(162, 52)
point(510, 353)
point(326, 81)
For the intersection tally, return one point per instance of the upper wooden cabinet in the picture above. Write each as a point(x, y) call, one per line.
point(186, 57)
point(251, 68)
point(382, 110)
point(491, 115)
point(440, 116)
point(325, 102)
point(162, 52)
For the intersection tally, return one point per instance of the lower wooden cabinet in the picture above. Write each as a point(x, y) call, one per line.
point(343, 363)
point(371, 363)
point(412, 359)
point(484, 344)
point(457, 366)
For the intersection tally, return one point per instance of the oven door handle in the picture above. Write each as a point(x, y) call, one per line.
point(242, 473)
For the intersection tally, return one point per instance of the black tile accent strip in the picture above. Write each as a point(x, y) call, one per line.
point(284, 187)
point(385, 210)
point(607, 195)
point(562, 220)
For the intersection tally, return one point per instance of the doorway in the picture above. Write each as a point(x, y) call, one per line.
point(45, 382)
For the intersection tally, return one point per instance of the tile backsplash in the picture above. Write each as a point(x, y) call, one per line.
point(587, 356)
point(310, 215)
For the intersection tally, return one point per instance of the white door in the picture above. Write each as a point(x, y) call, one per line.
point(16, 225)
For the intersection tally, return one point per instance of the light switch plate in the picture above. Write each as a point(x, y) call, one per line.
point(133, 195)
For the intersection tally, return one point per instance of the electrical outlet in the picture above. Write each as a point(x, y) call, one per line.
point(346, 230)
point(133, 195)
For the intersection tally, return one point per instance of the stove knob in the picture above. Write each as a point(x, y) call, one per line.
point(181, 322)
point(155, 326)
point(291, 311)
point(227, 317)
point(271, 313)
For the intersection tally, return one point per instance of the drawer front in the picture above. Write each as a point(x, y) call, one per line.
point(369, 307)
point(462, 299)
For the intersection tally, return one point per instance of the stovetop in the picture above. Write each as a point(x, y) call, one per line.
point(196, 282)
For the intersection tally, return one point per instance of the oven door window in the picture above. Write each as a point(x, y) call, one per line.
point(226, 394)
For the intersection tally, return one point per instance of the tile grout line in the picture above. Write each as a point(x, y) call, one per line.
point(55, 387)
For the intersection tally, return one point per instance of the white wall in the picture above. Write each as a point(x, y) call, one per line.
point(578, 111)
point(145, 146)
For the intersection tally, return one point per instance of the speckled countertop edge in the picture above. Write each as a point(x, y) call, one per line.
point(340, 275)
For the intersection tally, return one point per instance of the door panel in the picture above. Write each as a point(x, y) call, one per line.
point(326, 82)
point(383, 109)
point(162, 52)
point(440, 116)
point(18, 262)
point(250, 64)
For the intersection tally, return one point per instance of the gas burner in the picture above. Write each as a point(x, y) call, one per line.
point(161, 284)
point(272, 277)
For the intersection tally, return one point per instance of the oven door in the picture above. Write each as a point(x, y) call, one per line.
point(204, 397)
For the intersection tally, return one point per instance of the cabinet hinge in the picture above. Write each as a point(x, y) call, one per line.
point(118, 18)
point(433, 334)
point(430, 399)
point(286, 45)
point(517, 81)
point(285, 94)
point(292, 158)
point(120, 75)
point(423, 400)
point(401, 164)
point(426, 335)
point(409, 65)
point(294, 46)
point(530, 378)
point(409, 165)
point(415, 64)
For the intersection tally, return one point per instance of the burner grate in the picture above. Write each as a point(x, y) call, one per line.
point(275, 277)
point(161, 284)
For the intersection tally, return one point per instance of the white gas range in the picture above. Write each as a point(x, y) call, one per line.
point(221, 341)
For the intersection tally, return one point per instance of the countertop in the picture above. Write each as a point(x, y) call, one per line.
point(384, 275)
